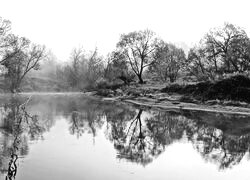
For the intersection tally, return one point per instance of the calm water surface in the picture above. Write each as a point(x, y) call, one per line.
point(69, 136)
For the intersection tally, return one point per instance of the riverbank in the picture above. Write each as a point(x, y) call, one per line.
point(172, 104)
point(226, 96)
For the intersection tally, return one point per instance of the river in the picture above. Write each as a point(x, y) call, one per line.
point(71, 136)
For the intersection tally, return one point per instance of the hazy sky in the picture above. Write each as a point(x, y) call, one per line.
point(64, 24)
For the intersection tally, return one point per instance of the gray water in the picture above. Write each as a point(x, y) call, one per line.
point(70, 136)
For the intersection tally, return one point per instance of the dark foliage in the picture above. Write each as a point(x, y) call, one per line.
point(234, 88)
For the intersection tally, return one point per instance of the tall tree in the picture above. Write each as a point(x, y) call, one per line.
point(74, 69)
point(222, 50)
point(19, 59)
point(168, 61)
point(95, 68)
point(228, 46)
point(138, 48)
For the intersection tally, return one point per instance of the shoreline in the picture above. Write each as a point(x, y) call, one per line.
point(168, 104)
point(179, 106)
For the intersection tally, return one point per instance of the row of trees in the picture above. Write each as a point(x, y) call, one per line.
point(136, 52)
point(222, 50)
point(18, 56)
point(83, 70)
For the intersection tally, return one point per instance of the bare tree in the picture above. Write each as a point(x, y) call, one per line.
point(138, 48)
point(83, 70)
point(75, 70)
point(19, 59)
point(95, 68)
point(168, 61)
point(229, 45)
point(222, 50)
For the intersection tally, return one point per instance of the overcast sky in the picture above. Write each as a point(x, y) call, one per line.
point(62, 25)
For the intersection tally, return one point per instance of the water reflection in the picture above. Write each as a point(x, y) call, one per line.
point(219, 138)
point(224, 141)
point(138, 135)
point(131, 140)
point(16, 127)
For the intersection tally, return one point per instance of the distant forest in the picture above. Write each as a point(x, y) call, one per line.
point(139, 56)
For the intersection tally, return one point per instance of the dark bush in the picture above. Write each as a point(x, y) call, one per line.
point(234, 88)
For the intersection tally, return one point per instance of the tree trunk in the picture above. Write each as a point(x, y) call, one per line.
point(140, 79)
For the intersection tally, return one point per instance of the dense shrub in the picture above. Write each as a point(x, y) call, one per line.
point(234, 88)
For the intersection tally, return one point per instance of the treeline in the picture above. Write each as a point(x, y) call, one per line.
point(138, 55)
point(222, 51)
point(82, 71)
point(18, 56)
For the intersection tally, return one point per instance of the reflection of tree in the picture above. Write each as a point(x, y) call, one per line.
point(87, 120)
point(132, 139)
point(92, 116)
point(214, 145)
point(133, 145)
point(18, 125)
point(140, 140)
point(165, 128)
point(77, 124)
point(144, 143)
point(218, 138)
point(140, 136)
point(117, 119)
